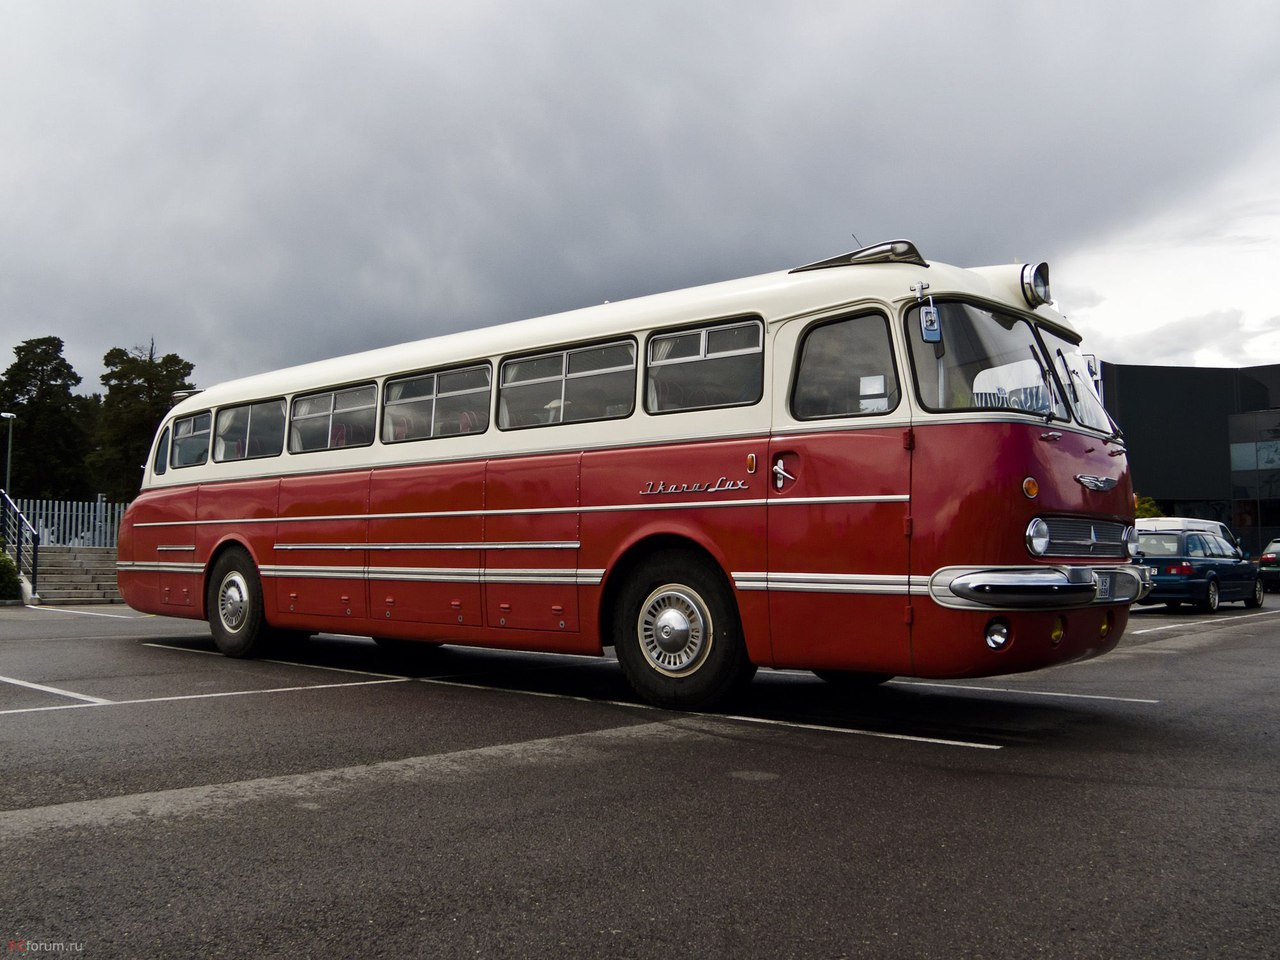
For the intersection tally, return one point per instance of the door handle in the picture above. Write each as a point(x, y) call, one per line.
point(780, 475)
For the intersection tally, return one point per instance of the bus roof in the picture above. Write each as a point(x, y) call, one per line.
point(774, 296)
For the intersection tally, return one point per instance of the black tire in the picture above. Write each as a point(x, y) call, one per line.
point(1254, 600)
point(234, 606)
point(853, 681)
point(677, 634)
point(1212, 599)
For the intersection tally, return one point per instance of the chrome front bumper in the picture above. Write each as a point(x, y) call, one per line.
point(1038, 588)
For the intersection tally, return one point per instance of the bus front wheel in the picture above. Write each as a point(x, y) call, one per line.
point(677, 634)
point(235, 605)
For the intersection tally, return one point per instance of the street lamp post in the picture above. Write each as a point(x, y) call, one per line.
point(8, 460)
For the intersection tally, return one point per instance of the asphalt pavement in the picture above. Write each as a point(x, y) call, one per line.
point(336, 800)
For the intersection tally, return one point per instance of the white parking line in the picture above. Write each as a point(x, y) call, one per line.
point(1025, 693)
point(190, 696)
point(88, 613)
point(54, 690)
point(1204, 623)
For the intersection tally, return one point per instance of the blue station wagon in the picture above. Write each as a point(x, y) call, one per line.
point(1195, 566)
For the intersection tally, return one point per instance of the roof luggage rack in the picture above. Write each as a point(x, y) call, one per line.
point(895, 251)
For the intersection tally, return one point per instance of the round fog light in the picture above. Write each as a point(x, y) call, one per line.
point(998, 634)
point(1059, 631)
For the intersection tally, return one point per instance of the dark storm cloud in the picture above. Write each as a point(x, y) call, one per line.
point(257, 184)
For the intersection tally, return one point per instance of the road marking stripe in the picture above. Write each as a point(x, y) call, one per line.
point(88, 613)
point(1203, 623)
point(205, 696)
point(56, 690)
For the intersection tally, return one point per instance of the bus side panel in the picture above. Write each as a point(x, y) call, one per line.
point(321, 547)
point(838, 550)
point(687, 491)
point(426, 569)
point(229, 505)
point(531, 537)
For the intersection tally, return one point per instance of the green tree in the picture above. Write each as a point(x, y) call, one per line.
point(1145, 507)
point(51, 433)
point(140, 387)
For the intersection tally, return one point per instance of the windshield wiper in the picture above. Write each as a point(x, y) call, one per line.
point(1071, 383)
point(1046, 379)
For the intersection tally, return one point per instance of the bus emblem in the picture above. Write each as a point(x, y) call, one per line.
point(719, 486)
point(1096, 483)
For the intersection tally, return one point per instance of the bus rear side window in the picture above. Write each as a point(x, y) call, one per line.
point(191, 440)
point(569, 386)
point(442, 404)
point(160, 462)
point(719, 366)
point(845, 370)
point(335, 418)
point(249, 431)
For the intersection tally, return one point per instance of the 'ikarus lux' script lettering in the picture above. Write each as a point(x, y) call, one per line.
point(653, 488)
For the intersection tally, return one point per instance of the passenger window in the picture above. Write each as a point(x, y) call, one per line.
point(441, 404)
point(570, 386)
point(1196, 546)
point(250, 431)
point(845, 369)
point(336, 418)
point(160, 462)
point(719, 366)
point(190, 440)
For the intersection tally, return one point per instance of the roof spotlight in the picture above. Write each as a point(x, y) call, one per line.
point(1035, 284)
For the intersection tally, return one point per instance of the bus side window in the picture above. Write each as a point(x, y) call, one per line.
point(570, 386)
point(160, 462)
point(191, 440)
point(335, 418)
point(716, 366)
point(845, 369)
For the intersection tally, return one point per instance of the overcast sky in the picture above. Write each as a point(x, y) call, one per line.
point(256, 183)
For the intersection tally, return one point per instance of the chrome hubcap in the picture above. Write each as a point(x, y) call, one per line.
point(233, 601)
point(675, 630)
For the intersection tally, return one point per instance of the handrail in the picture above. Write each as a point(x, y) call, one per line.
point(20, 530)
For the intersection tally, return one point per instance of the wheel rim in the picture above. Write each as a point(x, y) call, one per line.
point(233, 601)
point(1213, 596)
point(675, 630)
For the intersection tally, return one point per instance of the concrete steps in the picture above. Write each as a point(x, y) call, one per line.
point(76, 575)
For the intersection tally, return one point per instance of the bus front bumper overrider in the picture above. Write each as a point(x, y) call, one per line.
point(1039, 588)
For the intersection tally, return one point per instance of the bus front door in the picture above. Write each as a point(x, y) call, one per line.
point(838, 532)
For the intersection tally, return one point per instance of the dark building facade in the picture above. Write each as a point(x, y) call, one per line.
point(1203, 442)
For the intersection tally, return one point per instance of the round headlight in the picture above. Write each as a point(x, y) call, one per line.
point(1035, 284)
point(1038, 537)
point(1131, 540)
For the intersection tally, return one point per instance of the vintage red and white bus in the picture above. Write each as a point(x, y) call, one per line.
point(868, 467)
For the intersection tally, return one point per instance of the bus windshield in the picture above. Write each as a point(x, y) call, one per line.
point(1073, 370)
point(984, 361)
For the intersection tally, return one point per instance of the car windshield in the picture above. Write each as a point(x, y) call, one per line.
point(1073, 370)
point(981, 361)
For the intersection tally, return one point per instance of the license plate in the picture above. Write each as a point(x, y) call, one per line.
point(1105, 581)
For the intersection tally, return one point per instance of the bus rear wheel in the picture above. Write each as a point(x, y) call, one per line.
point(235, 605)
point(677, 634)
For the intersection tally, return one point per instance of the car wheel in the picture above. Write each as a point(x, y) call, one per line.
point(677, 634)
point(1211, 597)
point(1254, 599)
point(235, 605)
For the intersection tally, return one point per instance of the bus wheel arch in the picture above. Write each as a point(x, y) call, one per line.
point(670, 613)
point(234, 603)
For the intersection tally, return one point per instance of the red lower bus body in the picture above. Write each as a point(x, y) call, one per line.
point(837, 545)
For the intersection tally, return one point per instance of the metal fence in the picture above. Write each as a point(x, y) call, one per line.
point(65, 523)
